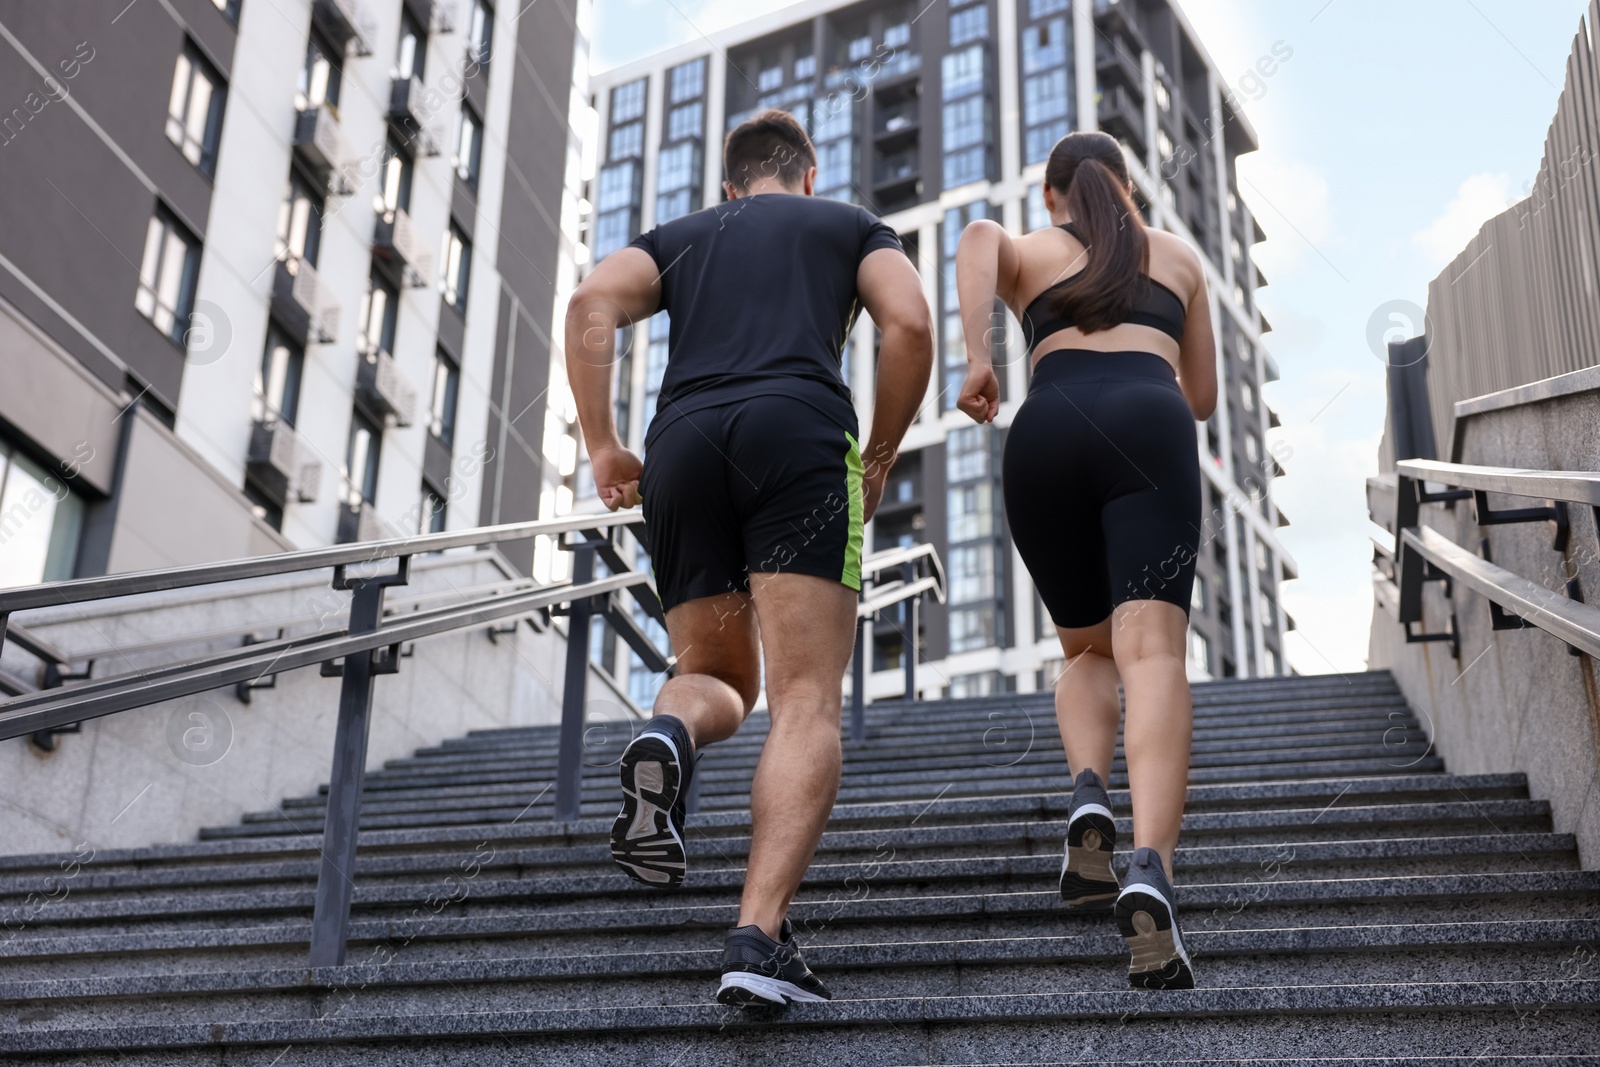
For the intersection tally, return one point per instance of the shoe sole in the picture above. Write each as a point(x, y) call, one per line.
point(744, 989)
point(1087, 881)
point(644, 842)
point(1148, 924)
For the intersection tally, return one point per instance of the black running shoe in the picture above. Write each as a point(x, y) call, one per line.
point(1087, 881)
point(758, 971)
point(1147, 915)
point(647, 838)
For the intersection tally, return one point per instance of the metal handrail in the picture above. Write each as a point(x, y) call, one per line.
point(1572, 621)
point(358, 648)
point(908, 588)
point(1576, 487)
point(80, 590)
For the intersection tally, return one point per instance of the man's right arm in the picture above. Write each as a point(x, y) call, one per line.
point(891, 292)
point(624, 289)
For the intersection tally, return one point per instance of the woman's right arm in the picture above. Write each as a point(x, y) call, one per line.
point(1197, 352)
point(987, 265)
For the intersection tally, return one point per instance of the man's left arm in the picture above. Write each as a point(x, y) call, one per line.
point(623, 290)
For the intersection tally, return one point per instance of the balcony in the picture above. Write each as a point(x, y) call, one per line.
point(348, 23)
point(283, 466)
point(383, 389)
point(359, 522)
point(898, 125)
point(1117, 66)
point(302, 304)
point(319, 144)
point(411, 110)
point(1117, 18)
point(400, 250)
point(1122, 117)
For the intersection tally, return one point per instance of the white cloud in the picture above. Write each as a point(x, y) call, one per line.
point(1480, 198)
point(1291, 199)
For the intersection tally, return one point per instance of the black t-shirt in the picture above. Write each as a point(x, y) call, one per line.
point(761, 293)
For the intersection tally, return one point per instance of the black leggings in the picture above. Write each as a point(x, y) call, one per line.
point(1102, 484)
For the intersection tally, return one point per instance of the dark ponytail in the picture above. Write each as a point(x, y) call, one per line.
point(1089, 171)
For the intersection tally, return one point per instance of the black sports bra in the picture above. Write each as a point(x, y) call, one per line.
point(1160, 308)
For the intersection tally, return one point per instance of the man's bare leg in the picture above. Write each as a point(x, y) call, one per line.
point(808, 633)
point(719, 666)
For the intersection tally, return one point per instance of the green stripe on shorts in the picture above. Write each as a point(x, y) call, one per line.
point(854, 472)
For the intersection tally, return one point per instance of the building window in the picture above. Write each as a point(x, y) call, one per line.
point(952, 338)
point(397, 172)
point(277, 391)
point(655, 361)
point(469, 146)
point(971, 573)
point(986, 683)
point(1247, 396)
point(617, 206)
point(1197, 595)
point(321, 77)
point(167, 273)
point(1038, 214)
point(431, 519)
point(480, 32)
point(971, 511)
point(688, 81)
point(457, 260)
point(967, 454)
point(1269, 663)
point(686, 121)
point(411, 53)
point(627, 102)
point(805, 67)
point(860, 48)
point(968, 25)
point(1038, 9)
point(971, 628)
point(963, 72)
point(626, 140)
point(1200, 651)
point(380, 312)
point(194, 114)
point(671, 206)
point(964, 123)
point(1044, 46)
point(678, 167)
point(442, 408)
point(769, 79)
point(41, 522)
point(361, 460)
point(897, 36)
point(299, 222)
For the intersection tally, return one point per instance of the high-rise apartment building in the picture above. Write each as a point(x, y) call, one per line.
point(280, 273)
point(933, 115)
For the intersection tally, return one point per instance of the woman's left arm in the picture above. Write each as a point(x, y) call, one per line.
point(987, 265)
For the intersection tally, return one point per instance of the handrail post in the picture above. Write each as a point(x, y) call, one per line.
point(908, 574)
point(569, 758)
point(330, 923)
point(858, 680)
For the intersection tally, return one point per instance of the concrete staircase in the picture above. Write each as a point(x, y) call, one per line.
point(1344, 898)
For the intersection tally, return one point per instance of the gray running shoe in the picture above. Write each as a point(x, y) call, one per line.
point(647, 837)
point(1147, 915)
point(1087, 881)
point(758, 971)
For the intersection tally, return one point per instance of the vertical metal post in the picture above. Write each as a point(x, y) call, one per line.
point(858, 681)
point(569, 758)
point(908, 574)
point(336, 874)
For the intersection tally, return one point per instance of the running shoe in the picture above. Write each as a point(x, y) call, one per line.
point(1087, 881)
point(758, 971)
point(647, 838)
point(1147, 915)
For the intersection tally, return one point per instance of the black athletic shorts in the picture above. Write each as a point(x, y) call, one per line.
point(766, 484)
point(1102, 484)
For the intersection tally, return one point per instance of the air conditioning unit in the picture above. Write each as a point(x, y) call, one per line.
point(348, 22)
point(301, 304)
point(283, 467)
point(444, 16)
point(320, 143)
point(395, 239)
point(384, 388)
point(410, 110)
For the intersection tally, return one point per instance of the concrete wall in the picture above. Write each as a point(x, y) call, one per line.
point(1516, 700)
point(160, 774)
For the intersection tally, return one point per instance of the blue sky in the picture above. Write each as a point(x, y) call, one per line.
point(1388, 136)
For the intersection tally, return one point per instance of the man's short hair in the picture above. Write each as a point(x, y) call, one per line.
point(773, 144)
